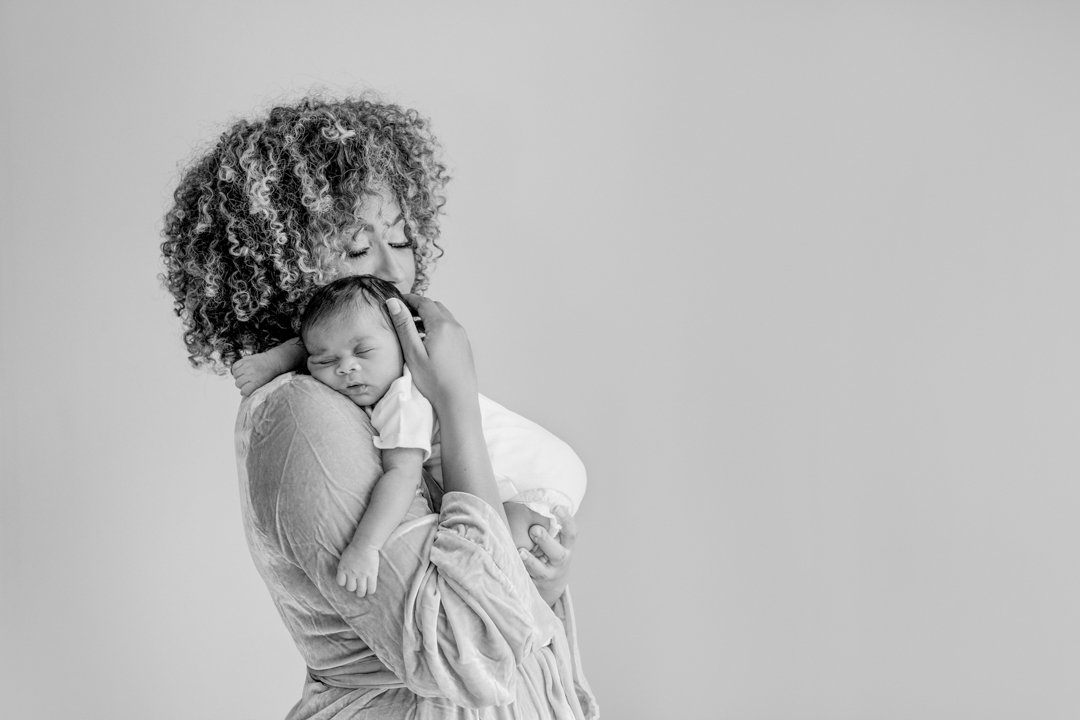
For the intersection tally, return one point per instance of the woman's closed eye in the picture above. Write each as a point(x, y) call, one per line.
point(359, 252)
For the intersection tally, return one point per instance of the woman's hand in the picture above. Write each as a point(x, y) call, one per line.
point(442, 369)
point(442, 363)
point(550, 566)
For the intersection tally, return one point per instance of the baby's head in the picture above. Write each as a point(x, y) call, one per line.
point(350, 339)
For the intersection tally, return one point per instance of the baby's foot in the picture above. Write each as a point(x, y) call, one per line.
point(252, 372)
point(520, 518)
point(358, 569)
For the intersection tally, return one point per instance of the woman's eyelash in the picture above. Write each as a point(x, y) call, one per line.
point(396, 246)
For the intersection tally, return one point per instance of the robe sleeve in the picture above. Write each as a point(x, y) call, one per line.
point(454, 612)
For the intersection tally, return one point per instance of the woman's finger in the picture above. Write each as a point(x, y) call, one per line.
point(537, 568)
point(429, 309)
point(556, 553)
point(411, 344)
point(568, 534)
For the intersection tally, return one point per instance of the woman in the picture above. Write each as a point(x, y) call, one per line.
point(460, 621)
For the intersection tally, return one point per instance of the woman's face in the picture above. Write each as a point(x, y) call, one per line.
point(377, 244)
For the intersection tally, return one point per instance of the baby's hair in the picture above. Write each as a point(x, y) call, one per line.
point(347, 293)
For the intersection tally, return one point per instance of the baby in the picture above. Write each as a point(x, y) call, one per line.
point(352, 347)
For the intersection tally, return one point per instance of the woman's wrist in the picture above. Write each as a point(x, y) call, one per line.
point(457, 404)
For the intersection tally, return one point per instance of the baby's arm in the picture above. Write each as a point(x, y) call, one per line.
point(358, 568)
point(254, 371)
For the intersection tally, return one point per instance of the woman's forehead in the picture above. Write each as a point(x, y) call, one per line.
point(378, 203)
point(375, 207)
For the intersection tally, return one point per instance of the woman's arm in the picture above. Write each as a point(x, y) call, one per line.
point(443, 370)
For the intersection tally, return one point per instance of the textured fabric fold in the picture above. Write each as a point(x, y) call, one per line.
point(471, 617)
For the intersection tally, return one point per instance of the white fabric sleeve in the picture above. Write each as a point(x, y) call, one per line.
point(403, 418)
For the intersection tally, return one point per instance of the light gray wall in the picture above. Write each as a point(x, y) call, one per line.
point(798, 280)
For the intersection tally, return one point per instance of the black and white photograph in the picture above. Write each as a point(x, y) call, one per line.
point(372, 360)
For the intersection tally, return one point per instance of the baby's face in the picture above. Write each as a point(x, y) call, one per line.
point(356, 353)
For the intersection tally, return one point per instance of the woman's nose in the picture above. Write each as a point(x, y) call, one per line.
point(388, 267)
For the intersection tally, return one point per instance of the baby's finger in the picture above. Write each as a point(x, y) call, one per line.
point(351, 585)
point(411, 345)
point(555, 552)
point(341, 579)
point(536, 567)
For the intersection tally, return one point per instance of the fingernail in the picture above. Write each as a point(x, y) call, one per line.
point(394, 305)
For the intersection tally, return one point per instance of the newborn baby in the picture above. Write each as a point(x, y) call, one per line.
point(353, 348)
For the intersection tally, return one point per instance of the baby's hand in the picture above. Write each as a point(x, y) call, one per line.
point(254, 371)
point(358, 569)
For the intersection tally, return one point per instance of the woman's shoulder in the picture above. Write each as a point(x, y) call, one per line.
point(298, 401)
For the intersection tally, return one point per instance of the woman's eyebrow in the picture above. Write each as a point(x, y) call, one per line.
point(392, 223)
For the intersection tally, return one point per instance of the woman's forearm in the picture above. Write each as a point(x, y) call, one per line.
point(466, 466)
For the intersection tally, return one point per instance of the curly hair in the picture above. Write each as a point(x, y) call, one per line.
point(256, 220)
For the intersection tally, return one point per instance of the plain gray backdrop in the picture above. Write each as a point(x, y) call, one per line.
point(798, 280)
